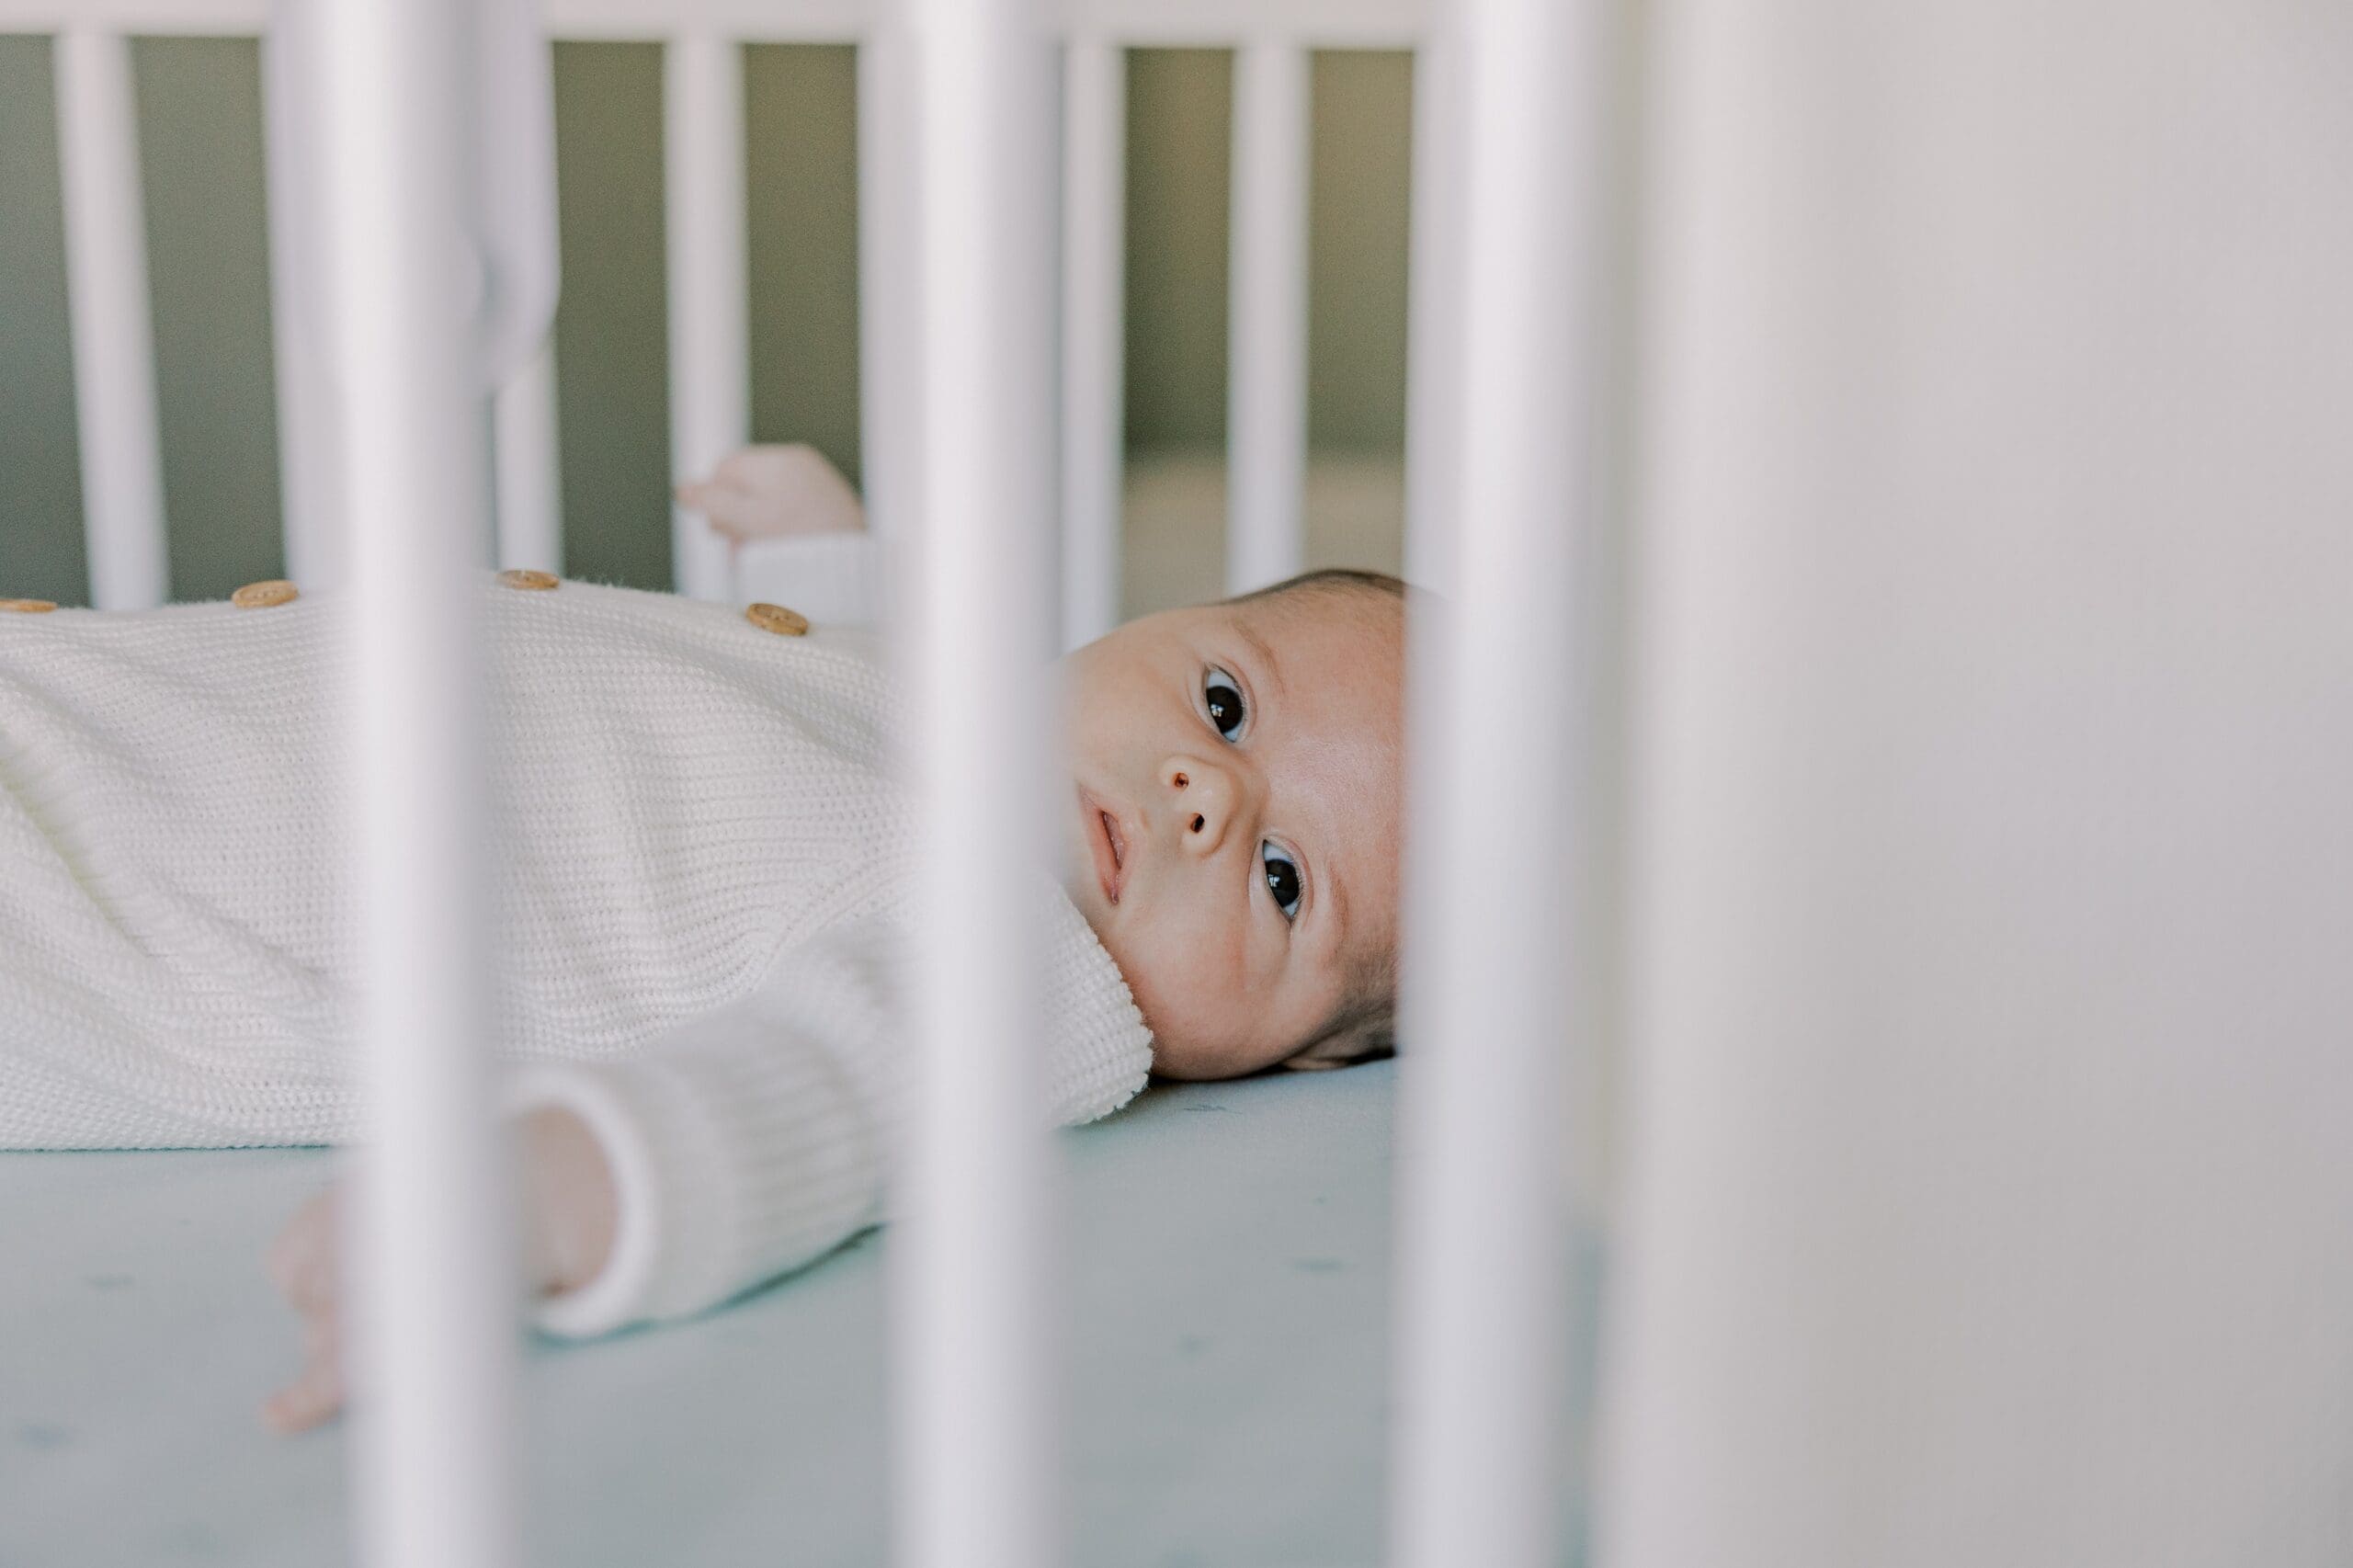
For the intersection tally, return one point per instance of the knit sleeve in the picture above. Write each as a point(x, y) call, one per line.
point(834, 579)
point(757, 1138)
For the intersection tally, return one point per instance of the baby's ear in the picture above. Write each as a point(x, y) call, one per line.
point(1364, 1041)
point(1332, 1051)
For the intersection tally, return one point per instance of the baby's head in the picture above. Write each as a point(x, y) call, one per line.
point(1233, 838)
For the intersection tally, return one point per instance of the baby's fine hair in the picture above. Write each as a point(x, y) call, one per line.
point(1330, 580)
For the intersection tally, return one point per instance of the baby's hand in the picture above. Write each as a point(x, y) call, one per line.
point(771, 492)
point(305, 1265)
point(568, 1213)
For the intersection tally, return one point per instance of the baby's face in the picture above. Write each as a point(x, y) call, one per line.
point(1232, 834)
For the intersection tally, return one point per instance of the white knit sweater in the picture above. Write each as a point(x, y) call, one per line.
point(702, 874)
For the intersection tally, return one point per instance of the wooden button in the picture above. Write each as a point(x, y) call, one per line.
point(28, 607)
point(262, 596)
point(523, 578)
point(777, 618)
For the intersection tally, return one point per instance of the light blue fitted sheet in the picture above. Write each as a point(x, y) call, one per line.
point(1229, 1355)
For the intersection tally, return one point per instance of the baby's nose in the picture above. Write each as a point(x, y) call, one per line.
point(1201, 795)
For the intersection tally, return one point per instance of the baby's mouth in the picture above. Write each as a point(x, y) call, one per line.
point(1109, 845)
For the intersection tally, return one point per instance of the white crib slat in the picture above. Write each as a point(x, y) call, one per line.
point(1433, 366)
point(978, 1437)
point(1094, 112)
point(1484, 1220)
point(433, 1267)
point(710, 343)
point(889, 290)
point(300, 315)
point(530, 496)
point(114, 347)
point(1267, 405)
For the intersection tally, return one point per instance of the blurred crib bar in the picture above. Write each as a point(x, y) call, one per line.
point(1483, 1310)
point(400, 123)
point(974, 1288)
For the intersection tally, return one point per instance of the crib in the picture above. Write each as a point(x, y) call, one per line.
point(990, 168)
point(1984, 919)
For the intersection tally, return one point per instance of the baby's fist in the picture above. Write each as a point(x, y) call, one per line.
point(773, 492)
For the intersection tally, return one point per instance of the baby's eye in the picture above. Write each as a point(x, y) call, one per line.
point(1282, 878)
point(1224, 695)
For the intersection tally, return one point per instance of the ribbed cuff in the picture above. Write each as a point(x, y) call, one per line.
point(735, 1157)
point(615, 1296)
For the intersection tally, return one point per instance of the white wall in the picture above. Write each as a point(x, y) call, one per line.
point(1992, 1135)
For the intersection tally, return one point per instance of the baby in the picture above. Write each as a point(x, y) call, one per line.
point(703, 888)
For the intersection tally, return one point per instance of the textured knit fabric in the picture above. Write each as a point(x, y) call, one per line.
point(702, 872)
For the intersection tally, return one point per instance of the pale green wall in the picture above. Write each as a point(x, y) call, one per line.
point(612, 362)
point(1180, 104)
point(201, 152)
point(201, 140)
point(1177, 235)
point(208, 265)
point(1362, 154)
point(40, 492)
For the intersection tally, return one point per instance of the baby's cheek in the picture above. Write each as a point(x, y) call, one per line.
point(1153, 982)
point(1186, 966)
point(1156, 989)
point(1195, 1000)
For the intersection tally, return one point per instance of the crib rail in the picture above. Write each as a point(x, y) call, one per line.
point(1334, 23)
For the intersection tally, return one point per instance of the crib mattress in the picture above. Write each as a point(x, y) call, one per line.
point(1228, 1336)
